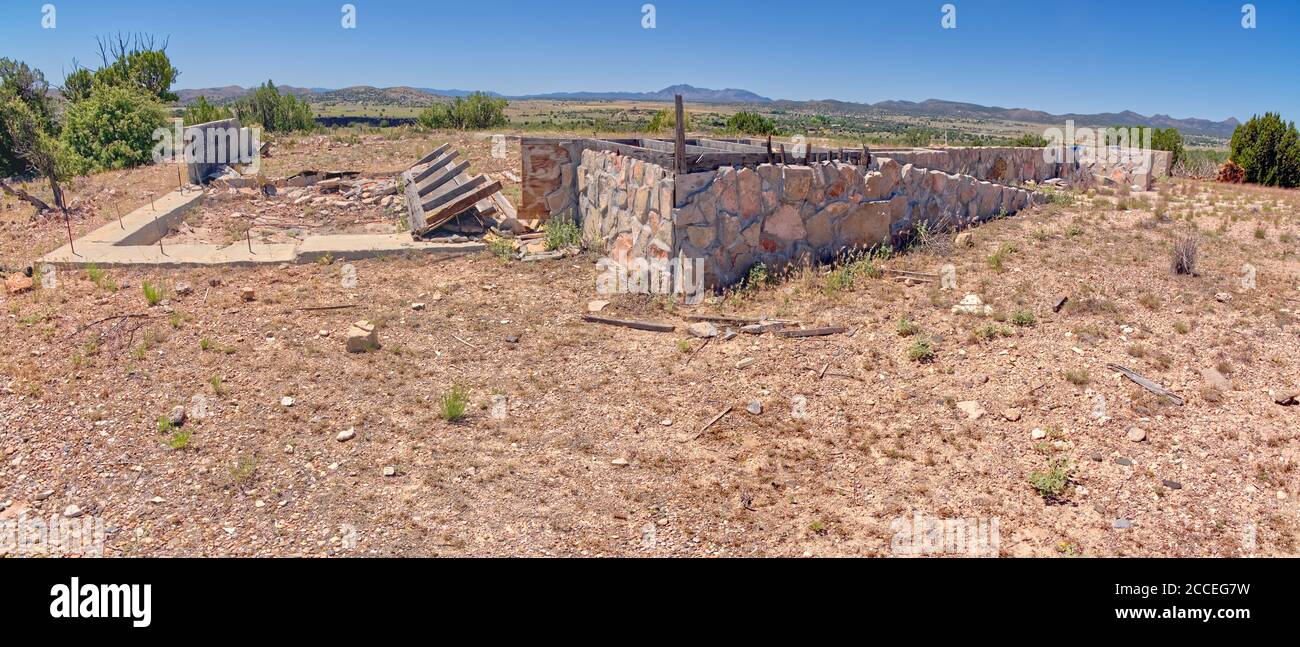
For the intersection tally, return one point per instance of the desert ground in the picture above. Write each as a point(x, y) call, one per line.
point(601, 452)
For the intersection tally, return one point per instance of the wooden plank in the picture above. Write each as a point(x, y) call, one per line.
point(432, 156)
point(679, 153)
point(812, 332)
point(644, 154)
point(442, 178)
point(433, 168)
point(414, 214)
point(451, 211)
point(626, 323)
point(1146, 384)
point(455, 192)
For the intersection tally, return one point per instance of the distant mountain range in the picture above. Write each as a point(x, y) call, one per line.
point(956, 109)
point(408, 96)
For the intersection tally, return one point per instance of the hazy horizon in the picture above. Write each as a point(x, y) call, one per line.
point(1193, 60)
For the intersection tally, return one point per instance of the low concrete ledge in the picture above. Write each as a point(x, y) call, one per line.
point(134, 242)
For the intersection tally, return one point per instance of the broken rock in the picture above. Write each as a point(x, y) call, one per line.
point(972, 304)
point(972, 409)
point(17, 284)
point(362, 337)
point(702, 329)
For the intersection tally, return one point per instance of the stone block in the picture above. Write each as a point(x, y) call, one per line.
point(785, 224)
point(363, 337)
point(867, 224)
point(797, 180)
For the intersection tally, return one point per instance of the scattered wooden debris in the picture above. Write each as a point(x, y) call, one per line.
point(687, 437)
point(738, 321)
point(919, 277)
point(1146, 384)
point(439, 192)
point(1288, 398)
point(812, 332)
point(627, 323)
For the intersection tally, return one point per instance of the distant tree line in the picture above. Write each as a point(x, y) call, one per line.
point(478, 110)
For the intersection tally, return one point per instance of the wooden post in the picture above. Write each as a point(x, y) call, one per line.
point(769, 149)
point(68, 223)
point(679, 149)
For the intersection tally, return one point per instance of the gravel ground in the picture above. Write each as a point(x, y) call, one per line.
point(601, 450)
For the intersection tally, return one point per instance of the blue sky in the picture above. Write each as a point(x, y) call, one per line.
point(1188, 58)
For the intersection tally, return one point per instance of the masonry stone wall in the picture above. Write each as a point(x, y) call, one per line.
point(778, 214)
point(548, 172)
point(625, 206)
point(1018, 165)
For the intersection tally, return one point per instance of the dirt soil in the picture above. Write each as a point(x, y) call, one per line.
point(601, 451)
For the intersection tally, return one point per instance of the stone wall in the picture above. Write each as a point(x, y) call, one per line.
point(625, 206)
point(1018, 165)
point(778, 214)
point(548, 170)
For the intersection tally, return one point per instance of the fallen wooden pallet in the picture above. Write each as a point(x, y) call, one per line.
point(439, 189)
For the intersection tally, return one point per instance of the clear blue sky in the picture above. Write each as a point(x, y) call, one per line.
point(1186, 58)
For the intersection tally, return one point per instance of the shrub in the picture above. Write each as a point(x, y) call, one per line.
point(1268, 150)
point(1052, 482)
point(453, 404)
point(1077, 376)
point(1168, 139)
point(501, 248)
point(1184, 256)
point(478, 110)
point(666, 119)
point(757, 276)
point(113, 128)
point(1030, 140)
point(750, 123)
point(1023, 318)
point(561, 232)
point(202, 112)
point(152, 293)
point(907, 328)
point(922, 350)
point(137, 65)
point(179, 439)
point(275, 112)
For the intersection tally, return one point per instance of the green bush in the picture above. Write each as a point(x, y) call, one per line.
point(1030, 140)
point(203, 112)
point(478, 110)
point(1168, 139)
point(1268, 149)
point(113, 128)
point(666, 119)
point(453, 403)
point(750, 123)
point(273, 111)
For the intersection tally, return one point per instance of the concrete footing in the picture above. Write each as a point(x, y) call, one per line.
point(134, 241)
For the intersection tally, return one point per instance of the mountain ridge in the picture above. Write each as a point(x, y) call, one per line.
point(405, 95)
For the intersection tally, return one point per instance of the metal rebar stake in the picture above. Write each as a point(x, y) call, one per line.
point(158, 230)
point(68, 224)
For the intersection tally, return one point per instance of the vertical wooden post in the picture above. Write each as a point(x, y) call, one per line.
point(68, 223)
point(679, 149)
